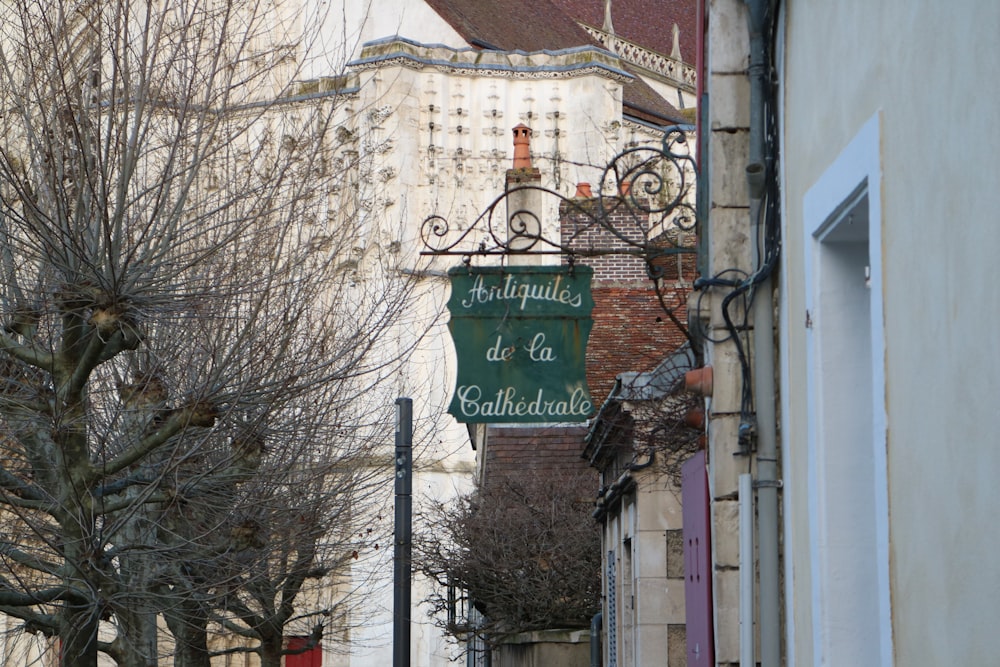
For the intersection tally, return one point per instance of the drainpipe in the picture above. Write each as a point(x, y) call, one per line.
point(763, 323)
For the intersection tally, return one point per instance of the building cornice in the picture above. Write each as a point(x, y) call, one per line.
point(578, 61)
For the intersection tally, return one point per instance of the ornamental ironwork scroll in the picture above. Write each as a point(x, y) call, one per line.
point(643, 206)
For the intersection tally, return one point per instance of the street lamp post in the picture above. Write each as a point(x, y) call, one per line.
point(402, 534)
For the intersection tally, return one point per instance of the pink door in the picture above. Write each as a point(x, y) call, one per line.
point(697, 562)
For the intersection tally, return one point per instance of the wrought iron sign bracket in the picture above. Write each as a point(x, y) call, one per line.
point(644, 207)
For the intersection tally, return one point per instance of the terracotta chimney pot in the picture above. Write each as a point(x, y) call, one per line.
point(583, 191)
point(522, 148)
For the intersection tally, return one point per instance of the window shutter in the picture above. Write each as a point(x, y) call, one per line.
point(612, 611)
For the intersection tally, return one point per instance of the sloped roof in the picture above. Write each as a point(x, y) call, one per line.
point(536, 25)
point(667, 379)
point(517, 450)
point(524, 25)
point(648, 23)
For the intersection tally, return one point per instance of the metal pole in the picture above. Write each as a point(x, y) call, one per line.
point(403, 534)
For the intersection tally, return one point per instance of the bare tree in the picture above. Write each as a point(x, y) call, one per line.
point(191, 345)
point(523, 548)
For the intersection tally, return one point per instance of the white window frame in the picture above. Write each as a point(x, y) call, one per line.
point(856, 170)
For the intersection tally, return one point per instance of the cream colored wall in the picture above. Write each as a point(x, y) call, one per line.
point(18, 647)
point(649, 581)
point(659, 600)
point(931, 71)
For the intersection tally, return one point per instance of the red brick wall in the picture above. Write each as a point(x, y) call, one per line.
point(631, 330)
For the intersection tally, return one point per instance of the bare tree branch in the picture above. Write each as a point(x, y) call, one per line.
point(194, 350)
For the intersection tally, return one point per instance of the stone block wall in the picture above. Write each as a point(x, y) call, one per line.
point(729, 257)
point(546, 648)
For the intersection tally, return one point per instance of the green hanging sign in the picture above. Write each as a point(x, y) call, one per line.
point(521, 335)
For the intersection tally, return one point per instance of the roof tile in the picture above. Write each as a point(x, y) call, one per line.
point(536, 25)
point(648, 23)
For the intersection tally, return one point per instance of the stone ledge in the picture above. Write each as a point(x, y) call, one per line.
point(550, 637)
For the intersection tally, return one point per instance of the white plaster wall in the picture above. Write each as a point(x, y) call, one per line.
point(584, 110)
point(931, 69)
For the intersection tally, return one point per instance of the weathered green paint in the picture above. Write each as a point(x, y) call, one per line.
point(521, 337)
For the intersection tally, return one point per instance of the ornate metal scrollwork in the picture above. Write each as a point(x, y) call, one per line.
point(644, 207)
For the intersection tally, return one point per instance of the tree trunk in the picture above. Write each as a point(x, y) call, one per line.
point(138, 628)
point(188, 625)
point(78, 636)
point(80, 616)
point(270, 650)
point(137, 571)
point(193, 650)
